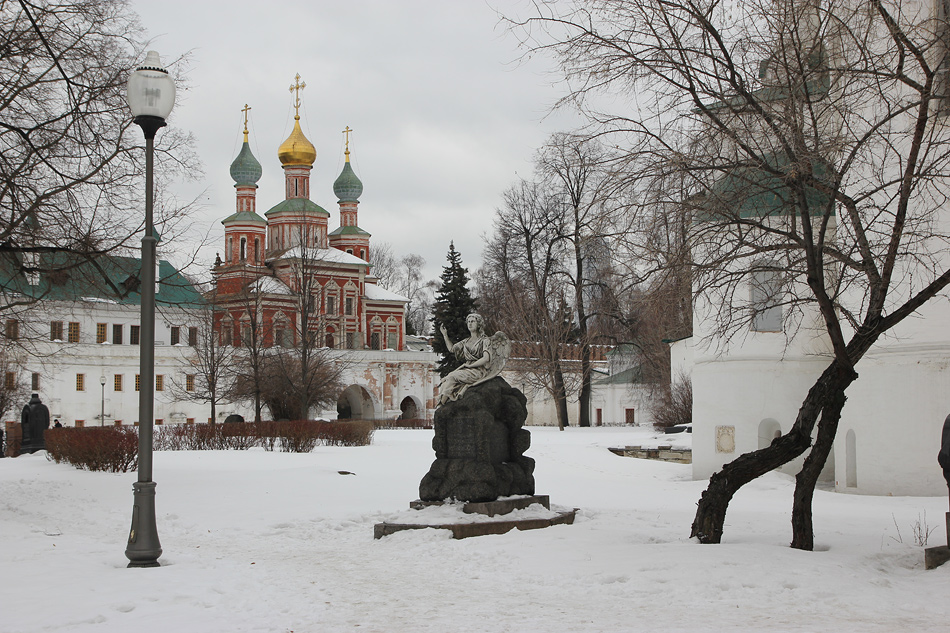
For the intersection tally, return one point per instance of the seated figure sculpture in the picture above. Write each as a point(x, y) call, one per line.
point(482, 357)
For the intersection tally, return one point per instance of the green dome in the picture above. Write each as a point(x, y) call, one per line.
point(347, 186)
point(245, 170)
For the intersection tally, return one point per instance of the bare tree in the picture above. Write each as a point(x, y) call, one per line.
point(412, 285)
point(522, 280)
point(287, 397)
point(13, 388)
point(403, 275)
point(383, 264)
point(253, 347)
point(577, 170)
point(70, 175)
point(210, 363)
point(802, 145)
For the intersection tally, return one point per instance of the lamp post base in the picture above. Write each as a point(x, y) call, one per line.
point(144, 547)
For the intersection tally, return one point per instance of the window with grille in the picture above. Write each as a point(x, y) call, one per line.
point(117, 382)
point(80, 382)
point(176, 335)
point(393, 340)
point(159, 382)
point(349, 305)
point(192, 336)
point(374, 340)
point(190, 382)
point(100, 332)
point(35, 382)
point(117, 334)
point(350, 340)
point(79, 424)
point(159, 421)
point(56, 330)
point(9, 381)
point(138, 382)
point(331, 305)
point(189, 420)
point(13, 329)
point(134, 334)
point(73, 332)
point(766, 293)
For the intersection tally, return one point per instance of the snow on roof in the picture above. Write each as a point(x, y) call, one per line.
point(329, 255)
point(374, 292)
point(269, 285)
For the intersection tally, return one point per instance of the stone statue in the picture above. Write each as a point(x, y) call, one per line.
point(943, 457)
point(480, 439)
point(482, 357)
point(35, 420)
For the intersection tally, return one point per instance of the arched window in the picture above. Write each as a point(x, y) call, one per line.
point(243, 248)
point(257, 250)
point(228, 256)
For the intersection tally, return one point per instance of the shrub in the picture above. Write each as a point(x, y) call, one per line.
point(676, 404)
point(295, 436)
point(400, 423)
point(112, 448)
point(347, 432)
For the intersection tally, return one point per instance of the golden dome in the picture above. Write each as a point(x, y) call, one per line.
point(297, 150)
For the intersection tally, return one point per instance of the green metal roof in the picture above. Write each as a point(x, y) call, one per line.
point(634, 375)
point(244, 216)
point(759, 191)
point(110, 278)
point(349, 230)
point(298, 205)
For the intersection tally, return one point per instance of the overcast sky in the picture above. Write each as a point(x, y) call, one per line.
point(445, 116)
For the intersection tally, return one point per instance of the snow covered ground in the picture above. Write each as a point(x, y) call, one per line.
point(258, 541)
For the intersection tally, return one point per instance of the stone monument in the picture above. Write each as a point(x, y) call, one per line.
point(936, 556)
point(479, 438)
point(34, 421)
point(479, 444)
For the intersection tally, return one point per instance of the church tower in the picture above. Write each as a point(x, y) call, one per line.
point(296, 221)
point(245, 231)
point(348, 188)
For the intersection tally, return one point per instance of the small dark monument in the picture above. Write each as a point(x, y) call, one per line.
point(479, 446)
point(34, 420)
point(936, 556)
point(480, 441)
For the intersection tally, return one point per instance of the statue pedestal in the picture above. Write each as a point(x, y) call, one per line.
point(496, 509)
point(936, 556)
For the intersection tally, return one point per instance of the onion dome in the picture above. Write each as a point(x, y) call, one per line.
point(297, 150)
point(347, 186)
point(245, 170)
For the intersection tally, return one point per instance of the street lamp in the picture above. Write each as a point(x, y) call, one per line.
point(151, 96)
point(102, 412)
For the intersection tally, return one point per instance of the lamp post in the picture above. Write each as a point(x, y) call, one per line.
point(102, 412)
point(151, 96)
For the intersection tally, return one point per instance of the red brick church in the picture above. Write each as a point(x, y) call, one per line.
point(290, 250)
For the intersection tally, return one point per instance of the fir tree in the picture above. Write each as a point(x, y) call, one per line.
point(453, 303)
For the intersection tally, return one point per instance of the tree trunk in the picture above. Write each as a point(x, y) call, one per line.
point(583, 417)
point(560, 399)
point(712, 506)
point(803, 535)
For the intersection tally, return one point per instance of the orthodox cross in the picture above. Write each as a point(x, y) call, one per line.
point(244, 110)
point(297, 87)
point(346, 134)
